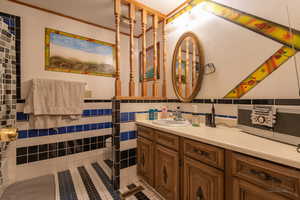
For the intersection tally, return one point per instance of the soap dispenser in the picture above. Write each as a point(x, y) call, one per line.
point(195, 119)
point(210, 117)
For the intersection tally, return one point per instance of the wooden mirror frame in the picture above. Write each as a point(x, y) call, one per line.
point(201, 73)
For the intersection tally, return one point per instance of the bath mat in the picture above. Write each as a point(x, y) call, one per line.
point(40, 188)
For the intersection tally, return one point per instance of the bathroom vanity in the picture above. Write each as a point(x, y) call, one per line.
point(221, 163)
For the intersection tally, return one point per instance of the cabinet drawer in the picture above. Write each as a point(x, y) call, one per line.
point(145, 132)
point(168, 140)
point(242, 190)
point(270, 176)
point(208, 154)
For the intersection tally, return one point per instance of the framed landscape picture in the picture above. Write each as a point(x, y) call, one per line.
point(149, 63)
point(66, 52)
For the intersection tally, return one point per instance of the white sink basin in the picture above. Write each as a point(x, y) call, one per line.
point(170, 122)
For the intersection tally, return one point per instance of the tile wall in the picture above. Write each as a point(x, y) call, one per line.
point(90, 135)
point(84, 138)
point(9, 77)
point(127, 111)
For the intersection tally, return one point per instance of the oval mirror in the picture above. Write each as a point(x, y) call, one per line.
point(187, 67)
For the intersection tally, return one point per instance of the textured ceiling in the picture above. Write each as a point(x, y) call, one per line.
point(101, 11)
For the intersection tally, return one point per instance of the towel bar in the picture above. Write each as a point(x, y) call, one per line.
point(8, 134)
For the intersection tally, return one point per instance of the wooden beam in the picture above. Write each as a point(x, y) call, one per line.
point(187, 65)
point(67, 16)
point(140, 98)
point(149, 29)
point(117, 9)
point(155, 84)
point(164, 83)
point(179, 72)
point(194, 64)
point(144, 25)
point(178, 8)
point(142, 7)
point(132, 66)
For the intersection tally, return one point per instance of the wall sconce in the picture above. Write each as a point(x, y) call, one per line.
point(209, 68)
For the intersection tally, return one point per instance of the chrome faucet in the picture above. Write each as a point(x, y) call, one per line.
point(178, 115)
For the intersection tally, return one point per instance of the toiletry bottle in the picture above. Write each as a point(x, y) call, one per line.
point(151, 114)
point(155, 114)
point(195, 119)
point(164, 112)
point(213, 115)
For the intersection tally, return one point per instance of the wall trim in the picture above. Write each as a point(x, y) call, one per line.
point(67, 16)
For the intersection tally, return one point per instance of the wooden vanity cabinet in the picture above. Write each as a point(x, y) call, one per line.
point(183, 169)
point(166, 172)
point(262, 178)
point(243, 190)
point(145, 160)
point(202, 182)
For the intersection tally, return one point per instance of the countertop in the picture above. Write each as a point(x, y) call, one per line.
point(235, 140)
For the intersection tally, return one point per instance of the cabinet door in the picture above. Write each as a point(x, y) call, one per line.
point(166, 172)
point(145, 159)
point(202, 182)
point(243, 190)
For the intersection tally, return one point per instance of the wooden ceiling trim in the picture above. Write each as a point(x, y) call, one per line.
point(66, 16)
point(142, 6)
point(178, 8)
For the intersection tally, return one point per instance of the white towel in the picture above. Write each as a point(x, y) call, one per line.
point(51, 102)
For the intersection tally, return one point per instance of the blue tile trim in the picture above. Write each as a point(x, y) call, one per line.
point(128, 135)
point(22, 116)
point(203, 114)
point(62, 130)
point(227, 116)
point(127, 117)
point(85, 113)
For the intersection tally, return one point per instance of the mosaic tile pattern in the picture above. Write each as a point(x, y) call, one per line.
point(7, 76)
point(48, 151)
point(14, 27)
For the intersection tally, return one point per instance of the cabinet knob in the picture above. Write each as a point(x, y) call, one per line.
point(143, 159)
point(199, 194)
point(165, 175)
point(264, 176)
point(202, 153)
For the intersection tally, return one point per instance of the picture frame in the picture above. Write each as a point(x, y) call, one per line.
point(149, 65)
point(70, 53)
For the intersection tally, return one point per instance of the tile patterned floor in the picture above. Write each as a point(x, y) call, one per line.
point(91, 182)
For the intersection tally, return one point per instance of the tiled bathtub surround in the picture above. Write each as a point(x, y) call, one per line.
point(59, 149)
point(37, 151)
point(97, 117)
